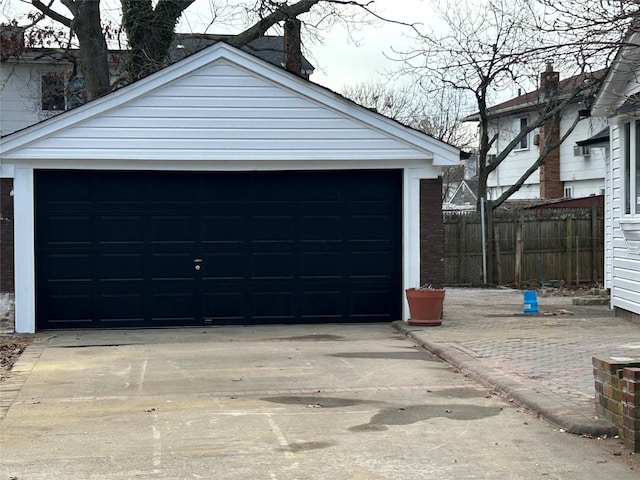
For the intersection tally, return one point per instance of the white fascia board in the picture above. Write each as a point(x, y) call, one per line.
point(624, 66)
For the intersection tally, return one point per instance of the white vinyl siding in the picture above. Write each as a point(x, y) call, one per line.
point(222, 112)
point(624, 263)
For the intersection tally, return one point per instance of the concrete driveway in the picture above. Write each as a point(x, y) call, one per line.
point(277, 402)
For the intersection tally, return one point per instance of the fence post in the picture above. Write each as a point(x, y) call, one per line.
point(594, 231)
point(462, 244)
point(519, 251)
point(578, 260)
point(490, 263)
point(568, 226)
point(498, 262)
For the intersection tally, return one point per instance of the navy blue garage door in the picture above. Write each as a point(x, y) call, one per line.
point(123, 249)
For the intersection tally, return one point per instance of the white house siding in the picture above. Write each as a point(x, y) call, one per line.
point(612, 207)
point(624, 264)
point(221, 112)
point(510, 170)
point(625, 275)
point(20, 95)
point(584, 174)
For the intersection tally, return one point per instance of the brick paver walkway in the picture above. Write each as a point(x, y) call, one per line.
point(548, 354)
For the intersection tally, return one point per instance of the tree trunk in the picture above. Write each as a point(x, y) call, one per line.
point(93, 48)
point(150, 32)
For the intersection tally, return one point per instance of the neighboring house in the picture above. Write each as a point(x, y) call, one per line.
point(38, 83)
point(460, 184)
point(572, 171)
point(619, 102)
point(220, 190)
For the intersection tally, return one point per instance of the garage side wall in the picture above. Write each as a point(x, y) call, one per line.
point(6, 236)
point(431, 232)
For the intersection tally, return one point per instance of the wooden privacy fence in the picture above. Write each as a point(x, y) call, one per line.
point(526, 246)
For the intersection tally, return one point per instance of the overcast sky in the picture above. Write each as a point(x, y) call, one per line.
point(339, 61)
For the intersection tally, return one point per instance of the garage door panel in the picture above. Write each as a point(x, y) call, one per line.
point(321, 265)
point(67, 267)
point(221, 230)
point(371, 228)
point(119, 229)
point(115, 190)
point(372, 302)
point(66, 191)
point(172, 267)
point(223, 266)
point(173, 306)
point(172, 229)
point(172, 191)
point(272, 266)
point(320, 187)
point(120, 267)
point(369, 188)
point(271, 306)
point(370, 265)
point(270, 189)
point(272, 247)
point(123, 308)
point(271, 228)
point(66, 310)
point(225, 306)
point(321, 228)
point(322, 304)
point(68, 230)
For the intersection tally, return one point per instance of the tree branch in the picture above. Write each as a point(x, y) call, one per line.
point(67, 22)
point(541, 159)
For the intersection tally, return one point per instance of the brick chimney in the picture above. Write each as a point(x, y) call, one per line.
point(551, 187)
point(292, 47)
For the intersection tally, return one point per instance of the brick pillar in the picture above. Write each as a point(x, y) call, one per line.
point(6, 236)
point(617, 383)
point(551, 187)
point(631, 408)
point(431, 232)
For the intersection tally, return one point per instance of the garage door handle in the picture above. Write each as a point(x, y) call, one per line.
point(197, 262)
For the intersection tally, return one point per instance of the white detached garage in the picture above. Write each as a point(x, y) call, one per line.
point(219, 190)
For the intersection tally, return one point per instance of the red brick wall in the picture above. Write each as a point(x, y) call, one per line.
point(431, 232)
point(551, 188)
point(6, 236)
point(617, 383)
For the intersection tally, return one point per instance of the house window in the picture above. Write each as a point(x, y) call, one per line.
point(568, 192)
point(53, 92)
point(521, 125)
point(631, 166)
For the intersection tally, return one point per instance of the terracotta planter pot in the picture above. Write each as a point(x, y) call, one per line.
point(425, 306)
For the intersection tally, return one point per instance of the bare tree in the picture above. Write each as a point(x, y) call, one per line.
point(150, 26)
point(488, 47)
point(436, 115)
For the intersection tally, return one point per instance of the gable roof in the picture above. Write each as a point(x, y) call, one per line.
point(617, 94)
point(102, 128)
point(267, 47)
point(531, 101)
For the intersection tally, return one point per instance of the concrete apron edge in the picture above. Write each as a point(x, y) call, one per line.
point(19, 373)
point(524, 393)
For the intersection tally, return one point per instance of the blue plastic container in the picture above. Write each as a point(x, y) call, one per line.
point(530, 302)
